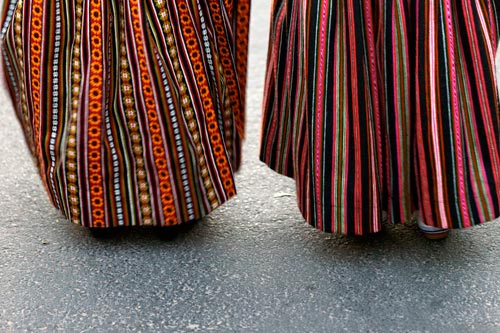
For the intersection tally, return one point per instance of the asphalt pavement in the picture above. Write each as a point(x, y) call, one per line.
point(252, 266)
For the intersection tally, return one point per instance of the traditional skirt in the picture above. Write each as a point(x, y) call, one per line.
point(383, 105)
point(133, 110)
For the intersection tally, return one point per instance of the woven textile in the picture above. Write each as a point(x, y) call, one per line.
point(376, 105)
point(133, 110)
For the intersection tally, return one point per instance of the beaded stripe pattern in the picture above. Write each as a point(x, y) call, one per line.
point(141, 120)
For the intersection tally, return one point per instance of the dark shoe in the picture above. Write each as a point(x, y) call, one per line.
point(104, 233)
point(171, 233)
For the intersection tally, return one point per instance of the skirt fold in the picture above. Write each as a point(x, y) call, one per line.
point(398, 111)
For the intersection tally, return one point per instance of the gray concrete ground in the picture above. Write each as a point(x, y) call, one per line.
point(252, 266)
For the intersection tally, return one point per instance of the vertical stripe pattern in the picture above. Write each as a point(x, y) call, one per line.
point(388, 105)
point(133, 110)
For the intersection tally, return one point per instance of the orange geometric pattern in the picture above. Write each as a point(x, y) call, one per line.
point(226, 61)
point(194, 51)
point(133, 109)
point(159, 153)
point(241, 56)
point(131, 114)
point(35, 75)
point(187, 106)
point(95, 115)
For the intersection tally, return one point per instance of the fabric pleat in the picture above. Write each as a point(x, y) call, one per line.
point(386, 105)
point(133, 110)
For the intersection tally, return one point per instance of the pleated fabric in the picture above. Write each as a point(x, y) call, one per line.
point(133, 110)
point(385, 105)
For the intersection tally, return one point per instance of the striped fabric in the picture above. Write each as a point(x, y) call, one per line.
point(133, 110)
point(385, 105)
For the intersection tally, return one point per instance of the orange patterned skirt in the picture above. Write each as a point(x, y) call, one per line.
point(133, 110)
